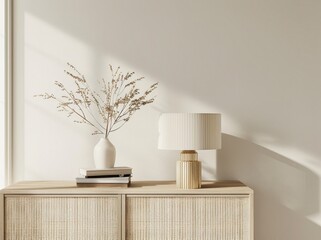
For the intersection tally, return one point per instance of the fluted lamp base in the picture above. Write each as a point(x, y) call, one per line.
point(188, 170)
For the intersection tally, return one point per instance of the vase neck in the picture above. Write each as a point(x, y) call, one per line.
point(105, 140)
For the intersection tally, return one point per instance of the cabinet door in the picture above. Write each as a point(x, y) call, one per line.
point(62, 217)
point(205, 217)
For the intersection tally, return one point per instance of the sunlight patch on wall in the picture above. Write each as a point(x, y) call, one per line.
point(316, 218)
point(38, 32)
point(296, 155)
point(47, 49)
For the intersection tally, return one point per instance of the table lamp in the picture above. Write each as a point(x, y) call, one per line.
point(189, 132)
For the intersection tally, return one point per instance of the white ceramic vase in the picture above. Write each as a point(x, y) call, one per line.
point(104, 154)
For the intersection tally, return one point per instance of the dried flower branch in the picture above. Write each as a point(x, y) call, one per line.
point(106, 110)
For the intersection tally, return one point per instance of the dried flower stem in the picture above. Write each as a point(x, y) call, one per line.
point(107, 110)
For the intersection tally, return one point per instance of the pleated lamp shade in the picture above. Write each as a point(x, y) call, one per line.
point(189, 131)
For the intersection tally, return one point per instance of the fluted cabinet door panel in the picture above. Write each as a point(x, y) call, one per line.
point(210, 217)
point(70, 217)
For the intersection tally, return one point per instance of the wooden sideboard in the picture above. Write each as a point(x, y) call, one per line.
point(152, 210)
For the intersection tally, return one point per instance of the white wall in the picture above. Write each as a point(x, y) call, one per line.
point(256, 62)
point(2, 96)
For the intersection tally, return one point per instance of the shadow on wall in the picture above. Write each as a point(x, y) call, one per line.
point(285, 192)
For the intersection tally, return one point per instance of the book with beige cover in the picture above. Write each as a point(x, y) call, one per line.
point(103, 180)
point(116, 171)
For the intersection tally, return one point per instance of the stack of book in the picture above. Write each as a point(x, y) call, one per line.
point(108, 177)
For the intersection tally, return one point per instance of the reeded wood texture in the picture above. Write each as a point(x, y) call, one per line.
point(71, 217)
point(188, 174)
point(188, 217)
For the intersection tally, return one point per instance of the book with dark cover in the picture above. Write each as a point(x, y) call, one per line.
point(121, 185)
point(109, 180)
point(109, 176)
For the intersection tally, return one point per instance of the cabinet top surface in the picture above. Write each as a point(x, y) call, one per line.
point(137, 187)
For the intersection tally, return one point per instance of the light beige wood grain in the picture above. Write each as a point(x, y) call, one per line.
point(138, 187)
point(123, 217)
point(188, 174)
point(146, 210)
point(188, 217)
point(1, 217)
point(74, 218)
point(252, 215)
